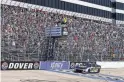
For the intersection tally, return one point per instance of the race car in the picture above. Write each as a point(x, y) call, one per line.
point(87, 67)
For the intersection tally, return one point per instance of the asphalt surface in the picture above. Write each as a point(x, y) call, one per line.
point(107, 78)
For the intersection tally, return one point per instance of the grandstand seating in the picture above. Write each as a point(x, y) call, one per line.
point(23, 36)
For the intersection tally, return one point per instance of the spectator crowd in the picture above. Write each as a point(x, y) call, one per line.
point(23, 36)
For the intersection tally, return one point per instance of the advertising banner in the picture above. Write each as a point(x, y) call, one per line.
point(54, 65)
point(74, 64)
point(19, 65)
point(43, 65)
point(53, 31)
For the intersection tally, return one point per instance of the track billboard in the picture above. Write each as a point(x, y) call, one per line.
point(74, 64)
point(54, 65)
point(19, 65)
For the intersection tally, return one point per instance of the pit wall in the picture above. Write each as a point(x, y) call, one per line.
point(109, 64)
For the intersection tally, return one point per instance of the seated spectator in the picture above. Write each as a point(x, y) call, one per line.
point(24, 29)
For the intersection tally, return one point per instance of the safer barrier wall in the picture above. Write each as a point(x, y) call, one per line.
point(54, 65)
point(109, 64)
point(20, 65)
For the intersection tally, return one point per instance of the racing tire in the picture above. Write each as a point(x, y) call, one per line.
point(89, 71)
point(98, 71)
point(83, 72)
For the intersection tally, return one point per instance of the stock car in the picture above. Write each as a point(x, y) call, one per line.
point(87, 67)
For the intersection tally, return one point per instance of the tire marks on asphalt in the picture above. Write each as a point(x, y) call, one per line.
point(108, 78)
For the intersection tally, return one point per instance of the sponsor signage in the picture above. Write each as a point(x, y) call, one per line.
point(53, 31)
point(65, 31)
point(74, 64)
point(54, 65)
point(19, 65)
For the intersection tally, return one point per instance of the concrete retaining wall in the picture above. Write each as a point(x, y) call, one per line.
point(109, 64)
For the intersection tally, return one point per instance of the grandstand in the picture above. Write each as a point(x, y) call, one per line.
point(94, 31)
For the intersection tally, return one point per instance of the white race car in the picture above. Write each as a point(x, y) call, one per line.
point(87, 67)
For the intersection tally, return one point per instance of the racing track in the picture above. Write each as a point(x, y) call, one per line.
point(106, 75)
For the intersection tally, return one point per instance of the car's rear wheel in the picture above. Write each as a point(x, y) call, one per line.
point(98, 71)
point(89, 71)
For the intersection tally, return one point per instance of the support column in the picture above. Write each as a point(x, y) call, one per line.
point(113, 14)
